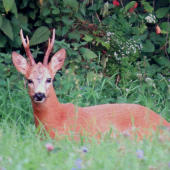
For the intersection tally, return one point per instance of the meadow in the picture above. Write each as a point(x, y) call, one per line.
point(117, 52)
point(22, 148)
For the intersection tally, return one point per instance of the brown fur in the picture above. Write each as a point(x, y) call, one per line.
point(67, 118)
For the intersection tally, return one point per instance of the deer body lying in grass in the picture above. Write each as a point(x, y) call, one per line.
point(65, 118)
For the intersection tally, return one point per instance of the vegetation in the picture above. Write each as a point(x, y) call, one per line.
point(117, 52)
point(26, 151)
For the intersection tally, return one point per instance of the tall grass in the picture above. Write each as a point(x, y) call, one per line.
point(21, 148)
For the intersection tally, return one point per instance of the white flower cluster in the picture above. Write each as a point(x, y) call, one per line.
point(150, 18)
point(128, 48)
point(108, 34)
point(150, 81)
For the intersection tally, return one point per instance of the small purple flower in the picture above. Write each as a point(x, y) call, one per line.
point(140, 154)
point(169, 164)
point(73, 169)
point(81, 88)
point(84, 149)
point(78, 163)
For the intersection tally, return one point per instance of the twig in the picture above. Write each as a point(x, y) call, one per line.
point(167, 37)
point(92, 15)
point(121, 3)
point(153, 4)
point(117, 80)
point(98, 19)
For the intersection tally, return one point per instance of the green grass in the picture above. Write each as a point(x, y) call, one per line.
point(21, 148)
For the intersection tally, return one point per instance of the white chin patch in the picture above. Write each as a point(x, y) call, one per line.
point(36, 101)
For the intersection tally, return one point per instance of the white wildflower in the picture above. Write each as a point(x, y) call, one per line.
point(150, 18)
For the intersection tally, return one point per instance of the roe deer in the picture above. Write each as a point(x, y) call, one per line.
point(65, 118)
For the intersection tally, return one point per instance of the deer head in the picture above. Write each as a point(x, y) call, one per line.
point(40, 75)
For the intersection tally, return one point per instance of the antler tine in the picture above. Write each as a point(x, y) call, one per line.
point(27, 49)
point(50, 46)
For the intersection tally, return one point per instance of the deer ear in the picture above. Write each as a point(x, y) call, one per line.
point(20, 63)
point(57, 60)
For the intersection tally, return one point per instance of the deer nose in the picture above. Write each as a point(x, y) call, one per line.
point(39, 96)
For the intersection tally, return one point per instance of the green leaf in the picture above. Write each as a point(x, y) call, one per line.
point(57, 18)
point(104, 61)
point(161, 12)
point(25, 28)
point(8, 5)
point(22, 19)
point(32, 5)
point(79, 16)
point(66, 20)
point(147, 6)
point(143, 36)
point(98, 40)
point(148, 46)
point(106, 7)
point(3, 40)
point(163, 32)
point(88, 38)
point(53, 7)
point(135, 30)
point(46, 11)
point(51, 2)
point(162, 85)
point(6, 28)
point(164, 26)
point(142, 28)
point(38, 23)
point(106, 44)
point(132, 19)
point(40, 35)
point(157, 38)
point(32, 15)
point(70, 3)
point(90, 76)
point(82, 9)
point(130, 5)
point(74, 35)
point(66, 10)
point(87, 54)
point(162, 61)
point(0, 20)
point(56, 11)
point(94, 7)
point(14, 10)
point(65, 30)
point(49, 20)
point(58, 31)
point(25, 2)
point(16, 42)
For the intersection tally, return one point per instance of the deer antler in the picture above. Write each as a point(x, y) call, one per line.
point(50, 46)
point(27, 49)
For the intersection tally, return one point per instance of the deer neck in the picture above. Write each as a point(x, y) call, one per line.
point(48, 111)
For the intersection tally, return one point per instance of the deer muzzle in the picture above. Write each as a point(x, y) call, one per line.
point(39, 97)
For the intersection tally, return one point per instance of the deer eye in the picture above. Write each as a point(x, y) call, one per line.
point(48, 80)
point(30, 81)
